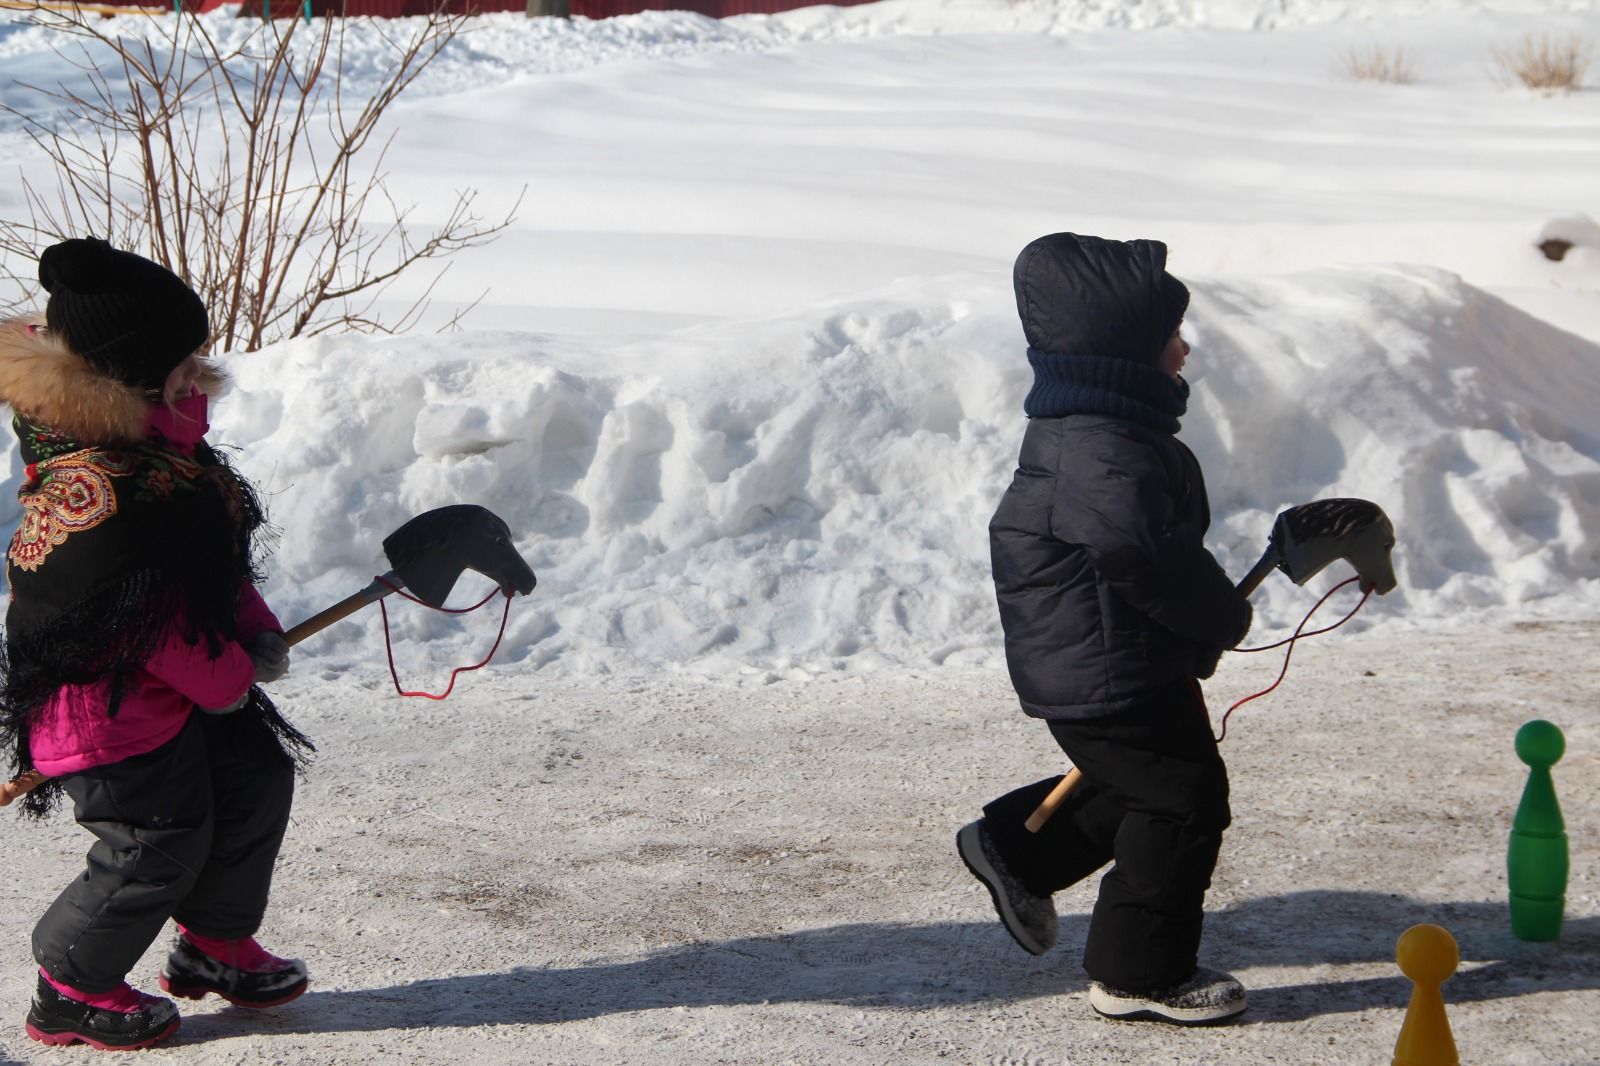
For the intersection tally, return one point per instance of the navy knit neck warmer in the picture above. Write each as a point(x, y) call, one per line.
point(1095, 385)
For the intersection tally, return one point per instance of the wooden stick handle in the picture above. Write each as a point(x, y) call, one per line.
point(29, 780)
point(346, 607)
point(19, 786)
point(1053, 802)
point(1258, 573)
point(325, 618)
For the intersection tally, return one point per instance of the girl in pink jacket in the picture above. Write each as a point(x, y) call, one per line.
point(135, 641)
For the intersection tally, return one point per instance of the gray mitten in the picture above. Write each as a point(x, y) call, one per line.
point(270, 652)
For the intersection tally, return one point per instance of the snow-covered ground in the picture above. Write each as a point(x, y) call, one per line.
point(686, 872)
point(746, 385)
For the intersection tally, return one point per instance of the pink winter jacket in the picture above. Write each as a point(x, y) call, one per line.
point(73, 732)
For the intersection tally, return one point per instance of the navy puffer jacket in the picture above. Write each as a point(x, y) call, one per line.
point(1106, 590)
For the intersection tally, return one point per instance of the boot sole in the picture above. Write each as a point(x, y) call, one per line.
point(970, 848)
point(67, 1036)
point(1130, 1009)
point(196, 991)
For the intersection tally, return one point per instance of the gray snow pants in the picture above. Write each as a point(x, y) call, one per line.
point(189, 831)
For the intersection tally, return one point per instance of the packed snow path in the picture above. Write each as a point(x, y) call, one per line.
point(685, 873)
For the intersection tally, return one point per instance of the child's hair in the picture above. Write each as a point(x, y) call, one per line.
point(167, 393)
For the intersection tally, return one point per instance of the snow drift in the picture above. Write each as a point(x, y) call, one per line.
point(810, 493)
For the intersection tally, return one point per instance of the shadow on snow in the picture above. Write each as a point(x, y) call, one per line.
point(902, 966)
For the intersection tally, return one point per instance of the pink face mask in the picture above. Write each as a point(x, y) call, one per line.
point(183, 423)
point(193, 406)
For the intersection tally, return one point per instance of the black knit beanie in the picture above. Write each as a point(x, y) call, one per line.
point(132, 319)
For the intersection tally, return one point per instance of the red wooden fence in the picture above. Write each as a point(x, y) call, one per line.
point(594, 9)
point(599, 9)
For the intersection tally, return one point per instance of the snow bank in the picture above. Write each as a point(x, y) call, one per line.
point(501, 47)
point(810, 493)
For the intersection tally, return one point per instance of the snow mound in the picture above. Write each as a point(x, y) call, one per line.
point(810, 493)
point(1469, 421)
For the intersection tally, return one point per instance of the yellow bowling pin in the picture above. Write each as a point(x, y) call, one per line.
point(1428, 955)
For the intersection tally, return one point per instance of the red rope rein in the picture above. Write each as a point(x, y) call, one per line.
point(1297, 635)
point(388, 646)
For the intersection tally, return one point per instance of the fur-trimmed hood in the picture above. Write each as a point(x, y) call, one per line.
point(43, 380)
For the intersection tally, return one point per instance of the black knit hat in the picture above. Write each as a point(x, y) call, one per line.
point(132, 319)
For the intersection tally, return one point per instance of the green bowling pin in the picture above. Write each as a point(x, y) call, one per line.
point(1536, 862)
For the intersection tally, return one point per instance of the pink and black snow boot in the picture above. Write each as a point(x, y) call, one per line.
point(239, 970)
point(119, 1020)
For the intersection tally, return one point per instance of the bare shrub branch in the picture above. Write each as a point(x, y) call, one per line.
point(1376, 63)
point(242, 166)
point(1547, 64)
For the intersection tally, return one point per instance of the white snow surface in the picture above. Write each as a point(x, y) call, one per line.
point(746, 383)
point(747, 378)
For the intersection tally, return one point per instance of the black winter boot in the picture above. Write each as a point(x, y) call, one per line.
point(191, 973)
point(56, 1019)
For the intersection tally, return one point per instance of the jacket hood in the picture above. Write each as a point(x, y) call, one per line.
point(41, 379)
point(1080, 295)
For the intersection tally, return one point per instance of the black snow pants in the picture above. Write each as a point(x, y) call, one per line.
point(189, 831)
point(1154, 800)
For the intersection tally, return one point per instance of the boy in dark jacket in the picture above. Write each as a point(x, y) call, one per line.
point(1112, 609)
